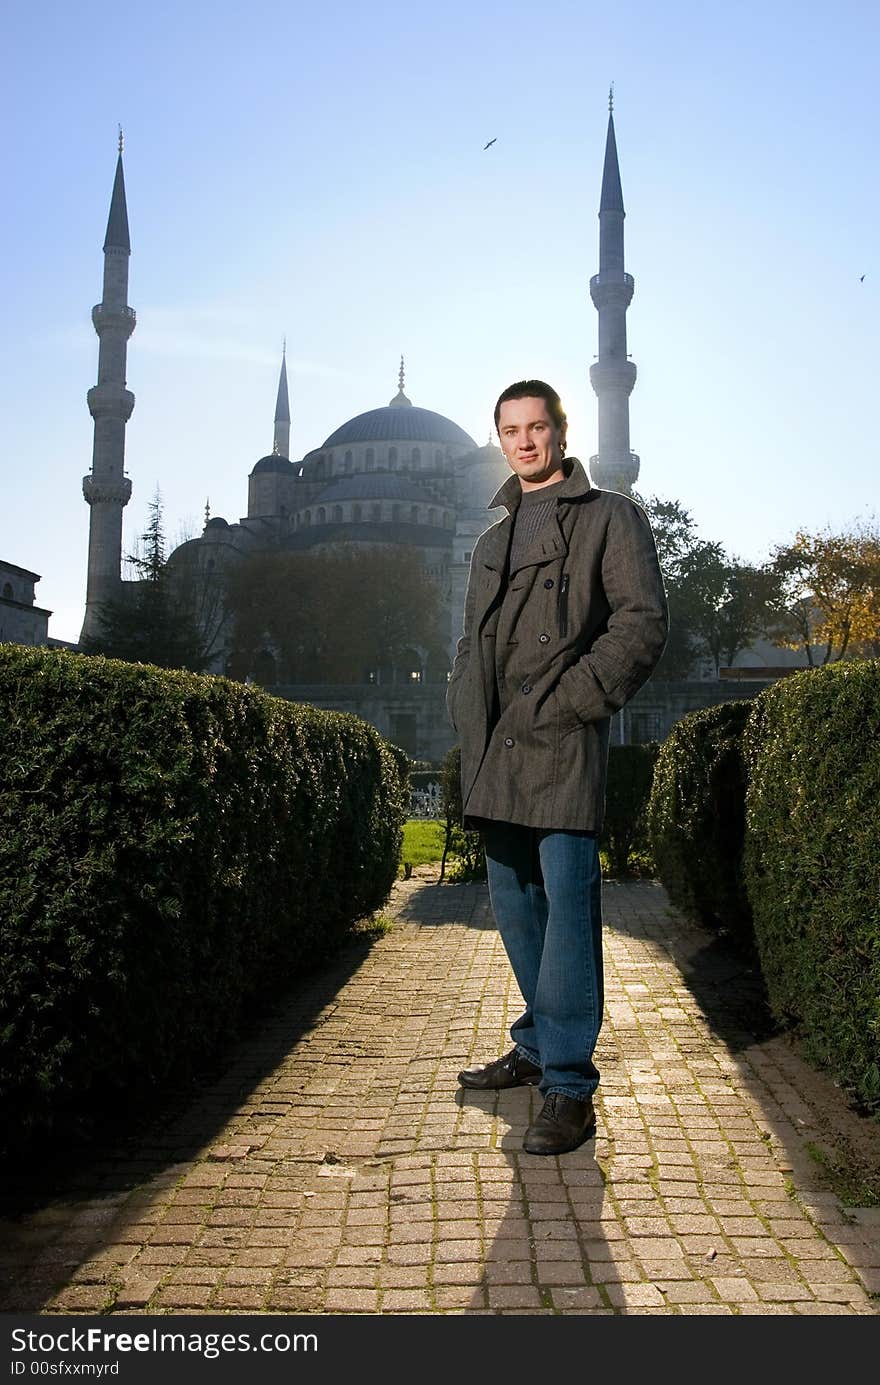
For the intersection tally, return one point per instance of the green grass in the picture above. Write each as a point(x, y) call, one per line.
point(422, 842)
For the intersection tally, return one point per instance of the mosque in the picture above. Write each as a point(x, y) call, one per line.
point(399, 474)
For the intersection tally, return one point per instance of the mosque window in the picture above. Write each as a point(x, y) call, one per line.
point(438, 458)
point(375, 512)
point(337, 514)
point(416, 456)
point(432, 515)
point(349, 461)
point(321, 467)
point(371, 458)
point(307, 517)
point(322, 515)
point(414, 514)
point(356, 512)
point(7, 591)
point(392, 456)
point(395, 514)
point(210, 564)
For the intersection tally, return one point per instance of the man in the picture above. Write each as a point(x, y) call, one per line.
point(565, 618)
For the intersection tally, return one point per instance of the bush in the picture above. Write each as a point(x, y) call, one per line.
point(696, 817)
point(624, 833)
point(171, 846)
point(464, 847)
point(812, 863)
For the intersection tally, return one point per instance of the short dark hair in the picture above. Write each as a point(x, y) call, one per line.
point(535, 389)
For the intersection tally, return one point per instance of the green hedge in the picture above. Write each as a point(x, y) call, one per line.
point(624, 832)
point(696, 817)
point(812, 863)
point(171, 847)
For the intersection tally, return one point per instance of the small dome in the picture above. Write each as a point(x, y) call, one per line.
point(273, 462)
point(218, 522)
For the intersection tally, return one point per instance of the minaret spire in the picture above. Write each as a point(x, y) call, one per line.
point(106, 488)
point(400, 399)
point(281, 446)
point(615, 467)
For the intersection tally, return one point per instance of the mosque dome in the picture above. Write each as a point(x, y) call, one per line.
point(273, 462)
point(400, 421)
point(218, 522)
point(479, 476)
point(394, 423)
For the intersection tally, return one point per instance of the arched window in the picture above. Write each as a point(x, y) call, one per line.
point(348, 460)
point(307, 517)
point(395, 514)
point(414, 514)
point(432, 515)
point(416, 456)
point(337, 514)
point(322, 515)
point(7, 591)
point(392, 456)
point(356, 512)
point(438, 458)
point(321, 468)
point(370, 458)
point(375, 512)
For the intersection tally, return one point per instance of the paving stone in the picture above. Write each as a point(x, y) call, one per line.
point(332, 1177)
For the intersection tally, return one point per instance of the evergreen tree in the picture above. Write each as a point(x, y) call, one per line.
point(152, 621)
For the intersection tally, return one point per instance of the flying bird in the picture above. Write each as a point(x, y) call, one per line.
point(491, 141)
point(861, 278)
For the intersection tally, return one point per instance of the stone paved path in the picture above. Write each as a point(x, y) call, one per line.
point(336, 1167)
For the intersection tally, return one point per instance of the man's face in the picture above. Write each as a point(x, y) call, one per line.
point(531, 442)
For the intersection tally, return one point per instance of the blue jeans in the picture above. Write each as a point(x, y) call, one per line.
point(545, 888)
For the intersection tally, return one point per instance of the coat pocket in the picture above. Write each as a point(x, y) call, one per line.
point(562, 605)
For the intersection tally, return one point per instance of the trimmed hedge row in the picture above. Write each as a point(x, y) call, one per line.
point(630, 777)
point(812, 862)
point(765, 821)
point(696, 817)
point(171, 847)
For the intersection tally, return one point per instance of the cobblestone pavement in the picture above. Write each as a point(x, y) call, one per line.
point(336, 1167)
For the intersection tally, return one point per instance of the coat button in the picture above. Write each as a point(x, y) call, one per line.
point(544, 639)
point(508, 740)
point(549, 583)
point(527, 687)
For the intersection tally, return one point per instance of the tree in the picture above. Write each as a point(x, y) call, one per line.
point(717, 605)
point(335, 616)
point(153, 620)
point(831, 589)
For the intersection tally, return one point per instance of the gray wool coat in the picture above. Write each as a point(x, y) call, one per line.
point(580, 629)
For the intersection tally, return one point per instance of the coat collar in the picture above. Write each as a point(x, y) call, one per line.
point(576, 483)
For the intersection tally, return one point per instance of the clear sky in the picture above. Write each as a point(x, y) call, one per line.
point(318, 172)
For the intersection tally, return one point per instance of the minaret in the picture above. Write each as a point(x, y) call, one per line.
point(281, 447)
point(107, 489)
point(615, 467)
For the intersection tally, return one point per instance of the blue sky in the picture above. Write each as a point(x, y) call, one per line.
point(318, 172)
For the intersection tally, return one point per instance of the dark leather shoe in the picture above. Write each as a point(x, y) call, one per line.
point(513, 1070)
point(562, 1125)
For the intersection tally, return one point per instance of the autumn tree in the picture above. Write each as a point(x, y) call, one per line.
point(831, 589)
